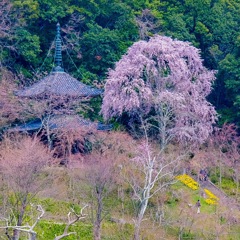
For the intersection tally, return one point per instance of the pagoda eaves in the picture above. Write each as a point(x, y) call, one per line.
point(58, 82)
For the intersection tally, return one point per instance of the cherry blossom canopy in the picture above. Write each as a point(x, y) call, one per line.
point(163, 78)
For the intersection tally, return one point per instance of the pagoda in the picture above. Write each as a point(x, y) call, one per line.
point(59, 85)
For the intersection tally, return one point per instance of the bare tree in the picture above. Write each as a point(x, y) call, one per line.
point(29, 228)
point(22, 160)
point(71, 221)
point(70, 136)
point(97, 178)
point(101, 181)
point(225, 150)
point(149, 173)
point(5, 26)
point(25, 228)
point(148, 24)
point(8, 109)
point(11, 108)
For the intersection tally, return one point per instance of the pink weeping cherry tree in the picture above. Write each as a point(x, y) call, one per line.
point(163, 79)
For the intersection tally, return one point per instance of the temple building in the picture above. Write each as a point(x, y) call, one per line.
point(58, 82)
point(59, 86)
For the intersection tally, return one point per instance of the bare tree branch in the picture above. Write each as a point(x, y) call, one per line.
point(77, 217)
point(26, 228)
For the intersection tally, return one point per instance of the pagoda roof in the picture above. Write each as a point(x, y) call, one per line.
point(61, 122)
point(59, 83)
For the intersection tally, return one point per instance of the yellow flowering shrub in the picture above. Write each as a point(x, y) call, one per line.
point(211, 199)
point(188, 181)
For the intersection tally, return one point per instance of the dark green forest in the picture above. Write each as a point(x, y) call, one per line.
point(96, 33)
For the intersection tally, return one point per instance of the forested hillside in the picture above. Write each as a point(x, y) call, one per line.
point(97, 33)
point(119, 119)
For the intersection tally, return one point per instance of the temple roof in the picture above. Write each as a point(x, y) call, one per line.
point(58, 82)
point(60, 122)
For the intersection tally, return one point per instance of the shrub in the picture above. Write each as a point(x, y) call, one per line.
point(188, 181)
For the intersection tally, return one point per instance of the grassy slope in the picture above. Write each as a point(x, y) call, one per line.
point(179, 219)
point(176, 217)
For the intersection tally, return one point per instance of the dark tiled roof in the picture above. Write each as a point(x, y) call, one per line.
point(60, 122)
point(59, 84)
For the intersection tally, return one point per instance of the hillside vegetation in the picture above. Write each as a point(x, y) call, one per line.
point(97, 33)
point(167, 78)
point(86, 182)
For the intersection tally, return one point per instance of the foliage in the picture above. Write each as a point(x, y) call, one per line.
point(28, 46)
point(230, 66)
point(106, 29)
point(211, 198)
point(228, 185)
point(98, 32)
point(187, 180)
point(110, 30)
point(99, 46)
point(212, 26)
point(50, 229)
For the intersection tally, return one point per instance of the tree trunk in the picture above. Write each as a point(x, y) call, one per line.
point(97, 230)
point(138, 222)
point(162, 127)
point(137, 228)
point(16, 232)
point(97, 224)
point(137, 231)
point(220, 170)
point(144, 200)
point(32, 236)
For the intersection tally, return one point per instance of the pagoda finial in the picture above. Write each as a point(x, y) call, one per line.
point(58, 51)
